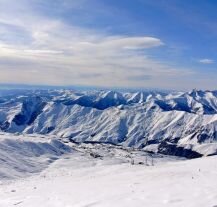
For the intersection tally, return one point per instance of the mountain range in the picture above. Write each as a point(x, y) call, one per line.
point(176, 123)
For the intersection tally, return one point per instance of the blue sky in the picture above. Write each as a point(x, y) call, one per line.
point(167, 44)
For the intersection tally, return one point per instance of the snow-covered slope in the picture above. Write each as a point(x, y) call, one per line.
point(22, 156)
point(178, 123)
point(81, 180)
point(25, 155)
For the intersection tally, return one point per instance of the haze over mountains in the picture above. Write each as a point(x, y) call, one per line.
point(179, 123)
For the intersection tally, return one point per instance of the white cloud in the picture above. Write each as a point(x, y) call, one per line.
point(206, 61)
point(131, 42)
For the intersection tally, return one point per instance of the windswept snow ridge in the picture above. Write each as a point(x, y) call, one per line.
point(21, 156)
point(181, 123)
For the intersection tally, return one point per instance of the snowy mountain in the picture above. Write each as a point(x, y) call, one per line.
point(179, 123)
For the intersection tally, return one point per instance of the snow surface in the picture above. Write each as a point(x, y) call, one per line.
point(100, 175)
point(101, 148)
